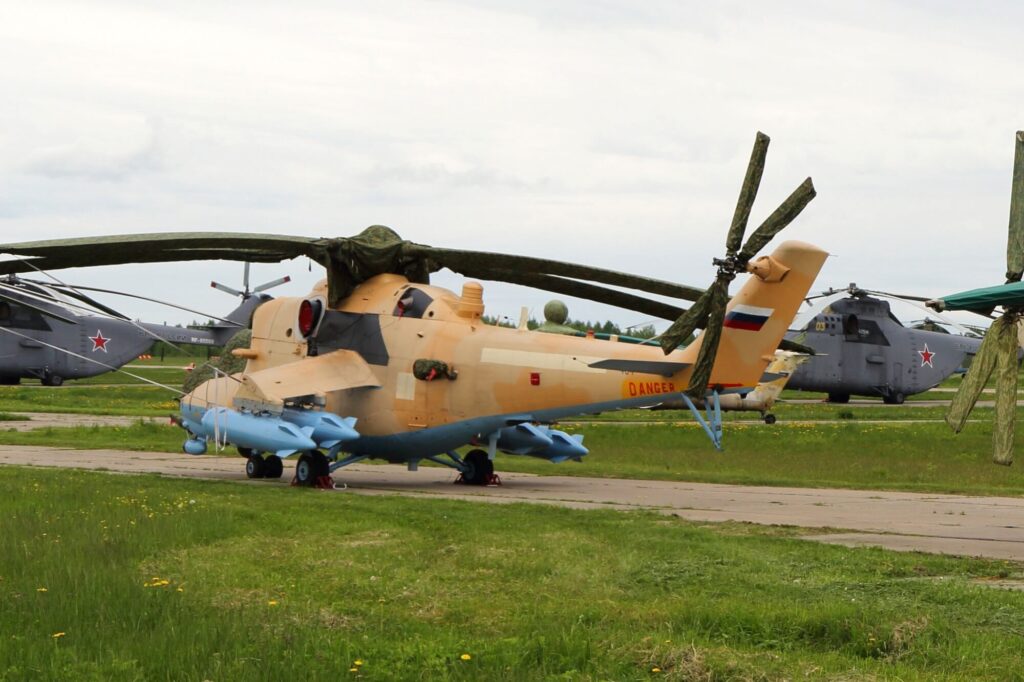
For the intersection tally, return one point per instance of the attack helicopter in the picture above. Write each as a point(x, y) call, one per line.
point(377, 363)
point(52, 331)
point(863, 349)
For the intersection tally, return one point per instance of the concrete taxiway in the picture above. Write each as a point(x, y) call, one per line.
point(949, 524)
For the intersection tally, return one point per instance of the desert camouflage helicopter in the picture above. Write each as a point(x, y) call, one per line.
point(376, 363)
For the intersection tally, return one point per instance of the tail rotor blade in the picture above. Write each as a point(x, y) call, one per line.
point(226, 289)
point(783, 216)
point(1015, 241)
point(272, 284)
point(245, 278)
point(748, 192)
point(719, 298)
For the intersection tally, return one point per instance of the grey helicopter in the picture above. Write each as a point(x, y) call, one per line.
point(54, 331)
point(861, 348)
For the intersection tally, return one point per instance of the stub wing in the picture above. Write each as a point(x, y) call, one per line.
point(335, 371)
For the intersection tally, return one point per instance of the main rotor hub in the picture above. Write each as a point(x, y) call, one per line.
point(728, 267)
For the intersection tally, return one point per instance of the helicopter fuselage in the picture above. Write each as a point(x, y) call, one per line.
point(443, 378)
point(861, 349)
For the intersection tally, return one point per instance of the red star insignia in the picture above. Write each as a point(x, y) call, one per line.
point(99, 342)
point(926, 356)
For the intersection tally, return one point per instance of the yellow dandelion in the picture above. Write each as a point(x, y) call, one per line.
point(41, 589)
point(353, 670)
point(181, 589)
point(358, 662)
point(655, 669)
point(272, 602)
point(465, 657)
point(58, 635)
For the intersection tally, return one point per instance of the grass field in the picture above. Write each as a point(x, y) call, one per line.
point(143, 401)
point(137, 578)
point(889, 456)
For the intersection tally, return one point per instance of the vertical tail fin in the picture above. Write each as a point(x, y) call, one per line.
point(759, 315)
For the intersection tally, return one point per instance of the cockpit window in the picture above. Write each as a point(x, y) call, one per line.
point(412, 303)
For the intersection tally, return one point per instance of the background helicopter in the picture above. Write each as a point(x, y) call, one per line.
point(53, 331)
point(863, 349)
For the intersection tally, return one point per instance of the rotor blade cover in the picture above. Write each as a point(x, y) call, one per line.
point(748, 192)
point(1015, 238)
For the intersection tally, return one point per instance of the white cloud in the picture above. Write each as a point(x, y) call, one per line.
point(611, 133)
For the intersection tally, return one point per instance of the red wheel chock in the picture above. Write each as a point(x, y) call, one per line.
point(321, 483)
point(492, 482)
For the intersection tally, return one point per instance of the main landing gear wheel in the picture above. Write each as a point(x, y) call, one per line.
point(273, 467)
point(53, 380)
point(311, 467)
point(255, 467)
point(840, 398)
point(479, 468)
point(895, 398)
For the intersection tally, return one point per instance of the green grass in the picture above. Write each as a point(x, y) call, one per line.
point(896, 456)
point(148, 401)
point(148, 578)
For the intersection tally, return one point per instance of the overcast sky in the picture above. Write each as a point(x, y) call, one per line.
point(609, 133)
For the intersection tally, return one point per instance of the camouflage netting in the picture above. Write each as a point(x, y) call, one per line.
point(227, 363)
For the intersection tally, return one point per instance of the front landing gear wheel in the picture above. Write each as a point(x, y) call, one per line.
point(255, 467)
point(311, 468)
point(479, 468)
point(273, 467)
point(895, 398)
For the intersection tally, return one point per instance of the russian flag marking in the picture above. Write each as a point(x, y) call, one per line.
point(747, 317)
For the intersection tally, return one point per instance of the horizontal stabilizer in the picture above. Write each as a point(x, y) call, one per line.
point(661, 367)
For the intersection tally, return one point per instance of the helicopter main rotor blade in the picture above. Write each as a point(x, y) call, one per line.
point(482, 262)
point(786, 213)
point(982, 366)
point(584, 290)
point(748, 192)
point(1006, 396)
point(152, 300)
point(1015, 237)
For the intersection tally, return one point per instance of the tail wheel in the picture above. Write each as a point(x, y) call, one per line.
point(255, 467)
point(479, 468)
point(273, 467)
point(311, 466)
point(769, 418)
